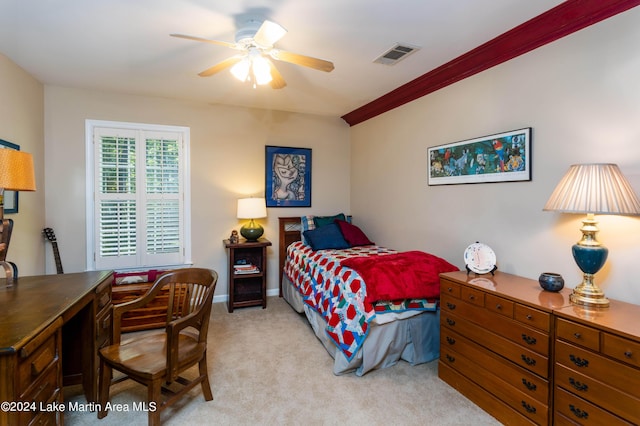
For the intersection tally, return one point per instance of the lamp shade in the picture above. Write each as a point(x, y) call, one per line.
point(594, 188)
point(16, 170)
point(252, 208)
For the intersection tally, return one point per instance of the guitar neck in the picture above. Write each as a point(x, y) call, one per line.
point(56, 255)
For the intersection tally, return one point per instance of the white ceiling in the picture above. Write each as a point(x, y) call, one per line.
point(124, 45)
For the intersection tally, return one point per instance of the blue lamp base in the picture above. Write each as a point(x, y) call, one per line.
point(590, 256)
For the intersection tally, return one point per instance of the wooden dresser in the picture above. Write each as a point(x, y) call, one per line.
point(597, 365)
point(496, 343)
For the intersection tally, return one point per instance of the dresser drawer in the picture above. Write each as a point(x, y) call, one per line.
point(103, 295)
point(450, 288)
point(494, 384)
point(523, 357)
point(533, 317)
point(578, 334)
point(621, 349)
point(46, 389)
point(472, 295)
point(103, 328)
point(582, 412)
point(601, 394)
point(516, 376)
point(515, 331)
point(499, 305)
point(613, 373)
point(38, 354)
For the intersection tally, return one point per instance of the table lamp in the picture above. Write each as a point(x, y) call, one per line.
point(592, 189)
point(252, 208)
point(16, 174)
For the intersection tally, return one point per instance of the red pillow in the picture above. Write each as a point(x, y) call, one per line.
point(353, 234)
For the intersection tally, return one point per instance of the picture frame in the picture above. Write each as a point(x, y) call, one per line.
point(501, 157)
point(287, 176)
point(10, 197)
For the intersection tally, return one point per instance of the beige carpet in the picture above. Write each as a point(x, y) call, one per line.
point(267, 367)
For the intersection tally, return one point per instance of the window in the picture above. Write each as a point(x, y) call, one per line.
point(138, 207)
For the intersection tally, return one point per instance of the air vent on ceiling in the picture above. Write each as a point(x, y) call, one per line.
point(398, 52)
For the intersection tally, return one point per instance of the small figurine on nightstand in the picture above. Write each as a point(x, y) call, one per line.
point(234, 239)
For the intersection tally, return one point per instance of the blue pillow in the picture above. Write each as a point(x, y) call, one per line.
point(326, 237)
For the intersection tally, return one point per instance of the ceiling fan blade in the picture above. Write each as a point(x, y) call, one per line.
point(305, 61)
point(277, 82)
point(229, 62)
point(206, 40)
point(269, 33)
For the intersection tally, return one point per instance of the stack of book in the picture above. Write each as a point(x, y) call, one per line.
point(245, 269)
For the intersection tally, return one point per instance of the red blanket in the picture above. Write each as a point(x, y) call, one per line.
point(406, 275)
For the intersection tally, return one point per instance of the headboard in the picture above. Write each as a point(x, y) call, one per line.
point(290, 229)
point(289, 232)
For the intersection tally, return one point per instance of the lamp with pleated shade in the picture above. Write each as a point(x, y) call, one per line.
point(592, 189)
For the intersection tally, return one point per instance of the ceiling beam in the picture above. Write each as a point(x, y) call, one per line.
point(562, 20)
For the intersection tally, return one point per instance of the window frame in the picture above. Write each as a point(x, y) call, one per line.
point(91, 173)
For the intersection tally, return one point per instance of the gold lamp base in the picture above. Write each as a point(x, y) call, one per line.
point(588, 294)
point(590, 255)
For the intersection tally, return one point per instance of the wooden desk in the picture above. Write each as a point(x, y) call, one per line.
point(51, 327)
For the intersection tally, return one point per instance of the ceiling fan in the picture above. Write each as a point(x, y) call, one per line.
point(255, 40)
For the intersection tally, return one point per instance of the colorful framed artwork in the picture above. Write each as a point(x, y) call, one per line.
point(10, 197)
point(503, 157)
point(288, 176)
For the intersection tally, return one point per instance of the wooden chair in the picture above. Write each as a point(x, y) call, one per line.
point(156, 359)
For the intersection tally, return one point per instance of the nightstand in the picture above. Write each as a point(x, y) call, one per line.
point(247, 273)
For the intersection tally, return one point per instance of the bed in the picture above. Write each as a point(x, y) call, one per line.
point(360, 334)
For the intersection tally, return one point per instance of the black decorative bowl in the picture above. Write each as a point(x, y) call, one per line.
point(551, 281)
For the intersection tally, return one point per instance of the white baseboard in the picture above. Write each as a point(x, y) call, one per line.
point(225, 297)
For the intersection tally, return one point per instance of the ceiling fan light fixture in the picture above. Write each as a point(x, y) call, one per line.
point(261, 70)
point(255, 40)
point(241, 69)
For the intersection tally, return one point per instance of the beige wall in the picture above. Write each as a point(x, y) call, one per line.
point(227, 162)
point(580, 95)
point(22, 123)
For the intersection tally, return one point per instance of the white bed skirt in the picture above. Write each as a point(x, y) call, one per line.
point(415, 339)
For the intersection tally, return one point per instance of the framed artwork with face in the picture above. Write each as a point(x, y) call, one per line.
point(288, 176)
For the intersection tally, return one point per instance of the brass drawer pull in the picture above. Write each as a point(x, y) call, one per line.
point(451, 306)
point(529, 317)
point(527, 360)
point(451, 340)
point(578, 412)
point(450, 358)
point(579, 361)
point(577, 385)
point(628, 354)
point(528, 339)
point(451, 322)
point(499, 307)
point(529, 385)
point(528, 407)
point(577, 335)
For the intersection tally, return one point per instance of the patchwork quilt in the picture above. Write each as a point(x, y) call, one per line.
point(338, 293)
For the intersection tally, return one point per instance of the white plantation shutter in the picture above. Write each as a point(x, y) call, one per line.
point(162, 204)
point(139, 198)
